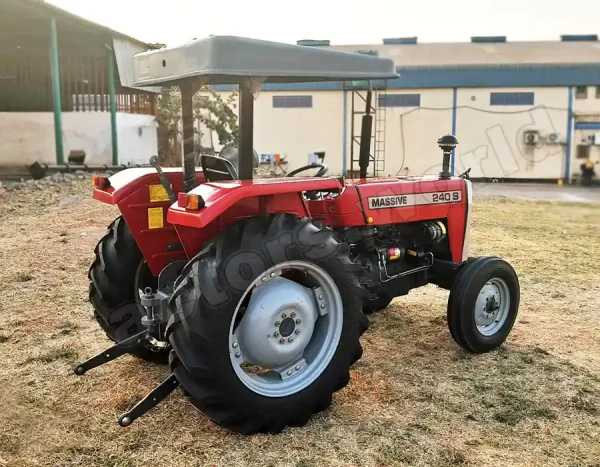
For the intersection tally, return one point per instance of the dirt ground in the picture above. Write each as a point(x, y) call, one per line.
point(415, 398)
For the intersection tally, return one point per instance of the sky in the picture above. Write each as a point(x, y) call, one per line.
point(343, 22)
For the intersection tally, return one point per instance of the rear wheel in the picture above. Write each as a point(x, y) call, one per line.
point(267, 324)
point(483, 304)
point(118, 276)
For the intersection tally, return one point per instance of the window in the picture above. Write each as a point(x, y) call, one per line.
point(292, 102)
point(400, 100)
point(597, 92)
point(581, 92)
point(583, 151)
point(512, 98)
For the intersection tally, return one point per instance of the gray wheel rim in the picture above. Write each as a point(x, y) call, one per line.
point(289, 330)
point(492, 306)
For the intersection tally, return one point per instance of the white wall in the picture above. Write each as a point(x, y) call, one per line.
point(412, 133)
point(492, 137)
point(586, 110)
point(29, 137)
point(297, 132)
point(137, 138)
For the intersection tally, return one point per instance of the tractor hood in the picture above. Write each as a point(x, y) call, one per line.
point(230, 60)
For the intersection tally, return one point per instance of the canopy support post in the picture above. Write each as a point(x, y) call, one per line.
point(187, 117)
point(246, 145)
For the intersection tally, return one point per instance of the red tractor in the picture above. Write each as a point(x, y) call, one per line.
point(256, 291)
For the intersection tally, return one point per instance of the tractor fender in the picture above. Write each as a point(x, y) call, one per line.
point(126, 182)
point(220, 196)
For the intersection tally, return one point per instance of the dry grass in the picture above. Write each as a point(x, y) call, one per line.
point(415, 397)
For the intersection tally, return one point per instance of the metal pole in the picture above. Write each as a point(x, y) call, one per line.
point(187, 119)
point(246, 161)
point(345, 132)
point(569, 140)
point(454, 115)
point(113, 108)
point(55, 71)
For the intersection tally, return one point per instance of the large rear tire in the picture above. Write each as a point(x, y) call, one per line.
point(116, 276)
point(292, 265)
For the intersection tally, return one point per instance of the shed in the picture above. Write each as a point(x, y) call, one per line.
point(52, 61)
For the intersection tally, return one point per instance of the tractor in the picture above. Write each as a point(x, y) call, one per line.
point(256, 292)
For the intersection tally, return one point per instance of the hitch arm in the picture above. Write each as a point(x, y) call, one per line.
point(110, 354)
point(158, 394)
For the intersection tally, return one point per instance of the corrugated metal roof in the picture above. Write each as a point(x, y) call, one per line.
point(476, 54)
point(53, 10)
point(125, 50)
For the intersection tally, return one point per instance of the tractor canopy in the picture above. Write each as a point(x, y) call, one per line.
point(230, 60)
point(247, 63)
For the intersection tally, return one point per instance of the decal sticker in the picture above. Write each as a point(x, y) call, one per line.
point(417, 199)
point(158, 193)
point(155, 218)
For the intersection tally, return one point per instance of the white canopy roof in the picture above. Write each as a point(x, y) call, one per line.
point(230, 60)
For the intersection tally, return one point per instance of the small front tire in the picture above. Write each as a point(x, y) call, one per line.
point(483, 304)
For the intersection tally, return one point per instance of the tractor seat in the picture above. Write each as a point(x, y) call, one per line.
point(217, 169)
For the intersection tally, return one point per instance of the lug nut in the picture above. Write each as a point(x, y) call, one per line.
point(289, 372)
point(235, 345)
point(297, 367)
point(297, 331)
point(272, 274)
point(291, 339)
point(283, 315)
point(322, 305)
point(298, 321)
point(264, 279)
point(276, 334)
point(320, 297)
point(282, 341)
point(277, 323)
point(293, 315)
point(238, 355)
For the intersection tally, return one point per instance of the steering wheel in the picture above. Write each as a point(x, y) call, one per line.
point(323, 169)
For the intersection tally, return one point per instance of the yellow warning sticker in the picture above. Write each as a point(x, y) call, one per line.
point(158, 193)
point(155, 218)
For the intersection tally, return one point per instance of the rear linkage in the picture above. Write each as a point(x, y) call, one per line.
point(156, 305)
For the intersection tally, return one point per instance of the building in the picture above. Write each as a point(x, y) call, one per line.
point(521, 110)
point(63, 89)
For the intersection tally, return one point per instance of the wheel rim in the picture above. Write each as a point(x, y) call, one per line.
point(492, 306)
point(285, 329)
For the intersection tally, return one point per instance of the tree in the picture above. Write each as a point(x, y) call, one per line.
point(211, 113)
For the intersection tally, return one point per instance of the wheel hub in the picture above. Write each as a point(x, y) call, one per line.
point(277, 324)
point(492, 306)
point(287, 327)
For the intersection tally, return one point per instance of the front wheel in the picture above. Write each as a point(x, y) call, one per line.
point(267, 324)
point(483, 304)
